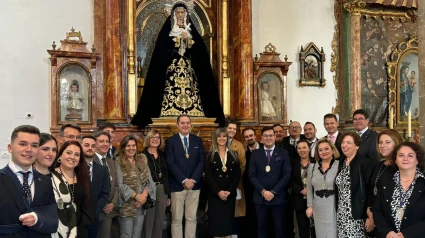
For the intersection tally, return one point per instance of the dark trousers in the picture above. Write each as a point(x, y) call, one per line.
point(277, 214)
point(93, 229)
point(303, 224)
point(289, 221)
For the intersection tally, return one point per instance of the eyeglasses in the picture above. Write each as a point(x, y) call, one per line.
point(294, 127)
point(268, 135)
point(359, 119)
point(72, 137)
point(155, 137)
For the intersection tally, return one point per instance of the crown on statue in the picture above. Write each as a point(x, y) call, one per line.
point(190, 4)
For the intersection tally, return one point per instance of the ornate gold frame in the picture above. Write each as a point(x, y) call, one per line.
point(312, 50)
point(396, 58)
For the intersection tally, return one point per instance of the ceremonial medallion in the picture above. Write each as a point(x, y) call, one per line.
point(375, 190)
point(59, 202)
point(224, 168)
point(400, 214)
point(268, 168)
point(324, 186)
point(160, 175)
point(187, 155)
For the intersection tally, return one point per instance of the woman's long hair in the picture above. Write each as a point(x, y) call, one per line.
point(81, 170)
point(214, 145)
point(140, 159)
point(394, 135)
point(44, 138)
point(147, 141)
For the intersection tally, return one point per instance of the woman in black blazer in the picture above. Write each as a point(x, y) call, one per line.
point(351, 185)
point(222, 173)
point(399, 209)
point(300, 165)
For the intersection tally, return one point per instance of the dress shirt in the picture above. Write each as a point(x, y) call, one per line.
point(271, 150)
point(257, 146)
point(16, 169)
point(293, 142)
point(182, 138)
point(335, 135)
point(362, 131)
point(100, 158)
point(313, 146)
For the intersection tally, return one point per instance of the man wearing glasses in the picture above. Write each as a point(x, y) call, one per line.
point(368, 146)
point(69, 132)
point(289, 143)
point(270, 173)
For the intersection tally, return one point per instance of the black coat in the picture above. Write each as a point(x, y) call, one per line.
point(286, 144)
point(298, 201)
point(360, 172)
point(413, 224)
point(217, 179)
point(100, 188)
point(368, 147)
point(164, 172)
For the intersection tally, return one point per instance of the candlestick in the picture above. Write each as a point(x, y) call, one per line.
point(391, 119)
point(409, 124)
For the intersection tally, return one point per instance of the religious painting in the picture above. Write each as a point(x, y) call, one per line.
point(311, 66)
point(378, 39)
point(404, 77)
point(74, 89)
point(270, 98)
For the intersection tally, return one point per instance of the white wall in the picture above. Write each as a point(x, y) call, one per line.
point(27, 30)
point(288, 24)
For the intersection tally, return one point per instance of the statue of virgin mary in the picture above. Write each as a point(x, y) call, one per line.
point(180, 78)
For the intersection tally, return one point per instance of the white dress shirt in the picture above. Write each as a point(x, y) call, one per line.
point(16, 169)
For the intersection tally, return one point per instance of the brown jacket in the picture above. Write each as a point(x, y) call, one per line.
point(113, 194)
point(237, 146)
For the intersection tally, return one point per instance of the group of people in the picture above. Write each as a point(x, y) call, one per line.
point(352, 184)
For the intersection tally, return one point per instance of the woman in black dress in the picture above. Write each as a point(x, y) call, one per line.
point(399, 209)
point(71, 185)
point(299, 186)
point(387, 140)
point(222, 173)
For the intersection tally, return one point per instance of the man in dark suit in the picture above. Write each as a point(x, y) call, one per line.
point(368, 147)
point(184, 154)
point(331, 126)
point(99, 182)
point(310, 134)
point(110, 128)
point(270, 173)
point(289, 143)
point(105, 218)
point(27, 201)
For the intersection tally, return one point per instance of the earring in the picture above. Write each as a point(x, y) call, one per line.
point(59, 160)
point(78, 164)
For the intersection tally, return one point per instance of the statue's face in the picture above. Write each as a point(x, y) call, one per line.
point(180, 13)
point(74, 88)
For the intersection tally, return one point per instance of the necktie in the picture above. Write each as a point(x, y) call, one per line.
point(360, 133)
point(186, 145)
point(89, 167)
point(268, 155)
point(332, 139)
point(109, 154)
point(26, 187)
point(104, 162)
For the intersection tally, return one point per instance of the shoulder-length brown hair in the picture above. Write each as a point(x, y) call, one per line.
point(418, 149)
point(214, 145)
point(335, 151)
point(140, 159)
point(394, 135)
point(152, 133)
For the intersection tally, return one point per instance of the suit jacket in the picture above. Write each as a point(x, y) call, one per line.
point(113, 192)
point(298, 201)
point(338, 143)
point(100, 188)
point(181, 167)
point(248, 189)
point(240, 208)
point(368, 147)
point(217, 179)
point(276, 179)
point(12, 205)
point(113, 149)
point(286, 144)
point(413, 224)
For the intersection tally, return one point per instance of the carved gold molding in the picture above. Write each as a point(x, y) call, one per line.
point(335, 57)
point(224, 55)
point(357, 8)
point(131, 73)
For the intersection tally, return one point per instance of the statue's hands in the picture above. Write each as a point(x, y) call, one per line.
point(184, 35)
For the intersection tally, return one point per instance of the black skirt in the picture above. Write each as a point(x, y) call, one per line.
point(221, 215)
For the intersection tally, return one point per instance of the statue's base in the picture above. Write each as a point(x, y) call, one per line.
point(198, 121)
point(74, 117)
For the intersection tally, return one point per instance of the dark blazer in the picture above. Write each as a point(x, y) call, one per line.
point(413, 224)
point(113, 192)
point(112, 150)
point(217, 179)
point(360, 172)
point(100, 188)
point(338, 143)
point(277, 179)
point(12, 205)
point(368, 147)
point(298, 201)
point(245, 177)
point(286, 144)
point(181, 167)
point(165, 172)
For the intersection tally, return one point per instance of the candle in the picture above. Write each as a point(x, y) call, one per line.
point(409, 124)
point(391, 119)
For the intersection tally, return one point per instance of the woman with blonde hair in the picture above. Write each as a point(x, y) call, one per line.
point(222, 174)
point(135, 185)
point(159, 172)
point(320, 189)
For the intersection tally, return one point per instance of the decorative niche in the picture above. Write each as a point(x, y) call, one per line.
point(311, 66)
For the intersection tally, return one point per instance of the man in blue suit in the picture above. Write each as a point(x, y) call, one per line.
point(184, 154)
point(99, 182)
point(270, 173)
point(27, 201)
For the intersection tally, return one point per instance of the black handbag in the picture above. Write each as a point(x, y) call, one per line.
point(150, 203)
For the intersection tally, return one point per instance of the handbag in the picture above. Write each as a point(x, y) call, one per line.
point(150, 203)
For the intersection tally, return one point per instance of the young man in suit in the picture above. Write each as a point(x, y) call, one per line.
point(368, 146)
point(331, 126)
point(110, 128)
point(105, 218)
point(270, 173)
point(310, 134)
point(99, 182)
point(27, 201)
point(184, 154)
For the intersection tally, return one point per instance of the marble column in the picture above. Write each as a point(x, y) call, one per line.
point(113, 82)
point(99, 43)
point(421, 80)
point(241, 41)
point(355, 73)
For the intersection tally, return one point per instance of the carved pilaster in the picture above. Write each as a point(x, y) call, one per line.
point(421, 59)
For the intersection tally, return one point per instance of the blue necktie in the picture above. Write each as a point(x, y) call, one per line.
point(186, 145)
point(26, 186)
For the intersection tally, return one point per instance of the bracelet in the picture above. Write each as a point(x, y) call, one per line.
point(135, 197)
